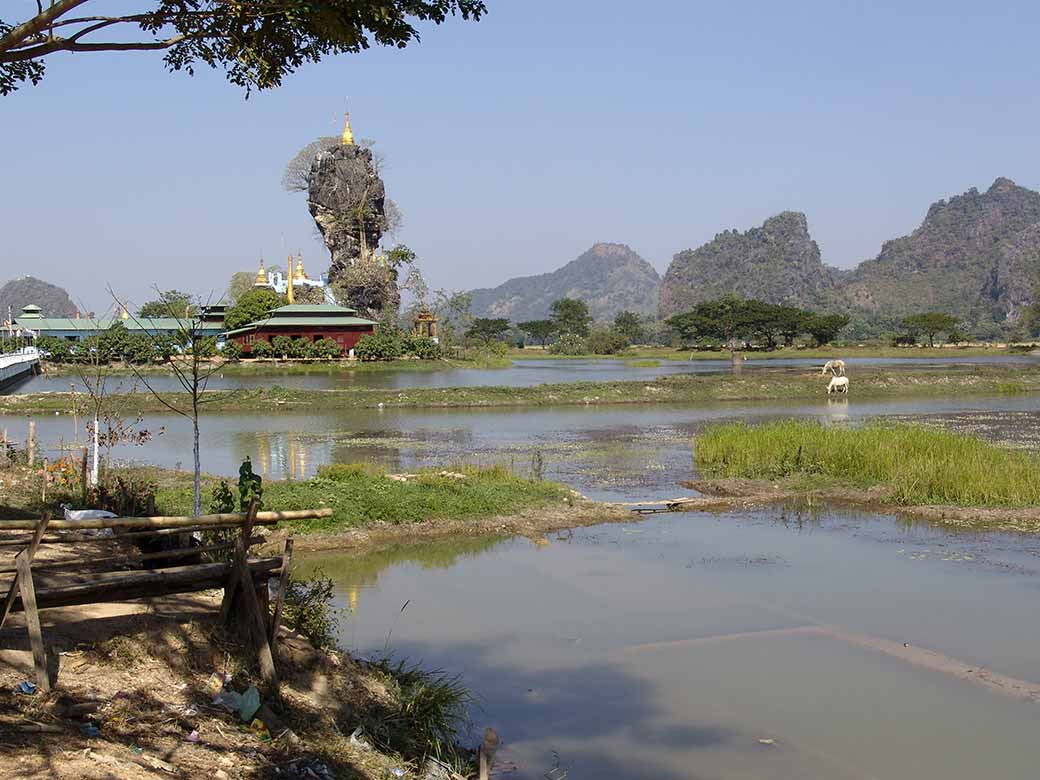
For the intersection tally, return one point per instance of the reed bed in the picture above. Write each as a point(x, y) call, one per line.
point(917, 465)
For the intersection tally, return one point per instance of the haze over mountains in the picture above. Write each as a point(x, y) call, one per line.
point(976, 255)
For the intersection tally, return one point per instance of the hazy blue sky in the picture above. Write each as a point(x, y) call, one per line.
point(514, 143)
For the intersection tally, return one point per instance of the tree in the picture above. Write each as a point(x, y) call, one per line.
point(257, 43)
point(824, 328)
point(724, 319)
point(791, 322)
point(487, 330)
point(251, 306)
point(240, 283)
point(180, 301)
point(571, 315)
point(930, 324)
point(192, 366)
point(605, 341)
point(542, 330)
point(630, 325)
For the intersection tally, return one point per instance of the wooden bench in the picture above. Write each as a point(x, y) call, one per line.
point(78, 580)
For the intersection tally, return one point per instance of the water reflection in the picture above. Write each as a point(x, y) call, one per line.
point(670, 648)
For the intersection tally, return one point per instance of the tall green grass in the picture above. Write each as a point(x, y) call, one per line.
point(918, 465)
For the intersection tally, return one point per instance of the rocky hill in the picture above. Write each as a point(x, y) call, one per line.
point(778, 262)
point(976, 256)
point(609, 277)
point(17, 293)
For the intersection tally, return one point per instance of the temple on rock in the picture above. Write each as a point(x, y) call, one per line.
point(287, 284)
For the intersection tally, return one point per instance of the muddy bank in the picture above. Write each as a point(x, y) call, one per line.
point(532, 523)
point(749, 492)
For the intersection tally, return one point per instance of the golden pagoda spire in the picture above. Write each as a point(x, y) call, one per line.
point(289, 291)
point(300, 275)
point(261, 275)
point(348, 136)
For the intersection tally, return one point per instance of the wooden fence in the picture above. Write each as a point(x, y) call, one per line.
point(79, 580)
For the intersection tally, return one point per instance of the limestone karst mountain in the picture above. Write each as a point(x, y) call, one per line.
point(778, 262)
point(976, 256)
point(610, 278)
point(53, 300)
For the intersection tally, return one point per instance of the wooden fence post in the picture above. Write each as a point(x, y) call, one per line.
point(83, 477)
point(486, 753)
point(43, 483)
point(279, 600)
point(30, 444)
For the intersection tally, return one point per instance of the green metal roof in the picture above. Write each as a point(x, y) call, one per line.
point(104, 323)
point(321, 309)
point(302, 322)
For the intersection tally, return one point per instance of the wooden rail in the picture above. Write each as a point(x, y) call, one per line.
point(92, 580)
point(234, 518)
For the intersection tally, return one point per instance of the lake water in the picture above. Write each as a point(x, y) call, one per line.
point(668, 649)
point(611, 452)
point(522, 373)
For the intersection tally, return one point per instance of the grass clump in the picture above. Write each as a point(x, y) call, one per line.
point(427, 714)
point(646, 363)
point(917, 465)
point(308, 609)
point(361, 494)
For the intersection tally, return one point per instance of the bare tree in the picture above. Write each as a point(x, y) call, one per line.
point(193, 360)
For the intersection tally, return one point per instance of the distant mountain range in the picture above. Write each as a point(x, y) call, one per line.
point(53, 300)
point(609, 277)
point(976, 255)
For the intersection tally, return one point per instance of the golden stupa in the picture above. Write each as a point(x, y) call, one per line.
point(348, 136)
point(261, 275)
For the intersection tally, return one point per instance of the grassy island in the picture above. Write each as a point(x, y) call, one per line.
point(910, 465)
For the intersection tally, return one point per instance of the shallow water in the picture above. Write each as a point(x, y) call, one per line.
point(605, 650)
point(523, 373)
point(613, 452)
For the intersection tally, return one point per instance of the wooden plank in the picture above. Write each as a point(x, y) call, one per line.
point(258, 627)
point(30, 551)
point(124, 586)
point(227, 602)
point(32, 620)
point(74, 538)
point(132, 558)
point(486, 753)
point(283, 583)
point(167, 522)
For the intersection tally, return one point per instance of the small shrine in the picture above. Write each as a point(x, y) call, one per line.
point(425, 324)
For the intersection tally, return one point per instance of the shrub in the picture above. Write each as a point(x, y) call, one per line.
point(326, 349)
point(569, 344)
point(282, 346)
point(308, 609)
point(603, 341)
point(232, 351)
point(380, 346)
point(262, 350)
point(422, 347)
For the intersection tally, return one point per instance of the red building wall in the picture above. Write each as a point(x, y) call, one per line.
point(345, 335)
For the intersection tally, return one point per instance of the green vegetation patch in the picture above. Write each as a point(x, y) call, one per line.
point(361, 495)
point(917, 465)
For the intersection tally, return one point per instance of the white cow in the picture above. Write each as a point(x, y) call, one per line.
point(836, 367)
point(838, 384)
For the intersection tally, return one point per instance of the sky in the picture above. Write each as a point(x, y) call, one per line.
point(514, 143)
